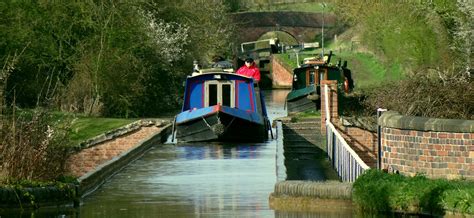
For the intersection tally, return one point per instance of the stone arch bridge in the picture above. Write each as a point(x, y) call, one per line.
point(303, 26)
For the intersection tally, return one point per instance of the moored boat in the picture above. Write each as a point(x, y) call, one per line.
point(305, 90)
point(221, 106)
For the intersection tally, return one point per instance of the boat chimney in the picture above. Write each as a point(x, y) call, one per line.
point(329, 57)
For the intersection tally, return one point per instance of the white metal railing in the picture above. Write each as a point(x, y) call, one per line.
point(345, 160)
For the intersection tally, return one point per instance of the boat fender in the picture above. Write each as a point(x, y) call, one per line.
point(313, 97)
point(218, 129)
point(346, 85)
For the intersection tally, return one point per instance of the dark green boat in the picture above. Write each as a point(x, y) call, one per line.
point(305, 90)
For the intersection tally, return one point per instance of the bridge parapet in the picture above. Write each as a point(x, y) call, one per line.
point(284, 18)
point(303, 26)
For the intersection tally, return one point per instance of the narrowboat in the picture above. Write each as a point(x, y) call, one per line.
point(305, 90)
point(221, 106)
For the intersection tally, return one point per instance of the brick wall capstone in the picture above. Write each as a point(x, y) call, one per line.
point(438, 148)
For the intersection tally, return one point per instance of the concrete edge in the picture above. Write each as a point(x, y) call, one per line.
point(92, 180)
point(393, 119)
point(314, 206)
point(313, 189)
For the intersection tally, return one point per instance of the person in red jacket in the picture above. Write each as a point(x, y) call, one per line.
point(250, 70)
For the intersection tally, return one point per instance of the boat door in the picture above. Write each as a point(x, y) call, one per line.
point(311, 77)
point(219, 92)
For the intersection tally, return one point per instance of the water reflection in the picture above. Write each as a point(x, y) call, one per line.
point(190, 180)
point(209, 151)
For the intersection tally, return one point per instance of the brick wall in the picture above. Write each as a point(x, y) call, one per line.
point(90, 158)
point(439, 148)
point(413, 145)
point(281, 77)
point(362, 141)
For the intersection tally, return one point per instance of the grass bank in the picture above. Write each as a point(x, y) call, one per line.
point(81, 127)
point(377, 191)
point(84, 127)
point(367, 70)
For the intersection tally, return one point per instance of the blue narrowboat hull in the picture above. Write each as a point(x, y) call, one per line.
point(220, 123)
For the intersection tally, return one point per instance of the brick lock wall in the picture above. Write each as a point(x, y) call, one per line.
point(90, 158)
point(436, 154)
point(281, 77)
point(362, 141)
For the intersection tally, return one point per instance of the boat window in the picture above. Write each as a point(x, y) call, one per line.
point(226, 91)
point(311, 77)
point(219, 92)
point(212, 94)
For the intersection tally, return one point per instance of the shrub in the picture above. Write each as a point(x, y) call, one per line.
point(34, 146)
point(421, 95)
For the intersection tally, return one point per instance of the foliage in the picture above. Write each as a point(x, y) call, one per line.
point(421, 95)
point(124, 59)
point(33, 147)
point(429, 41)
point(211, 30)
point(376, 191)
point(417, 34)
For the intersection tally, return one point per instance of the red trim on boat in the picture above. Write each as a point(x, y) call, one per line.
point(251, 97)
point(217, 107)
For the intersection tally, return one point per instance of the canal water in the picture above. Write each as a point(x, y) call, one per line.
point(196, 180)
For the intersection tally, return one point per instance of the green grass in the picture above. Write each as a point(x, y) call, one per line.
point(84, 128)
point(307, 114)
point(367, 70)
point(290, 60)
point(376, 191)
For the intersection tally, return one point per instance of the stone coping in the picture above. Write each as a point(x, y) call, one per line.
point(119, 132)
point(393, 119)
point(92, 180)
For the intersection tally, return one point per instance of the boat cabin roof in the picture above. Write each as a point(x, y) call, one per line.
point(218, 74)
